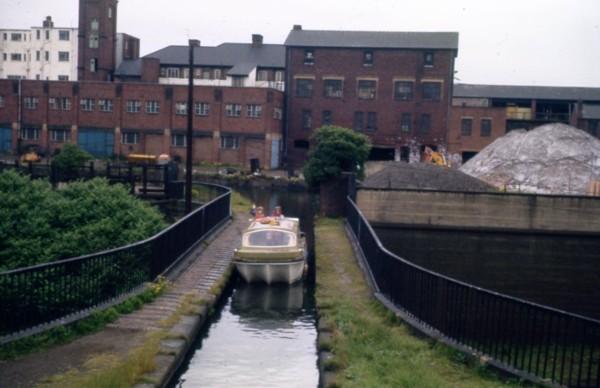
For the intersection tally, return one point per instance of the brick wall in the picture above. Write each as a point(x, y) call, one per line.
point(459, 143)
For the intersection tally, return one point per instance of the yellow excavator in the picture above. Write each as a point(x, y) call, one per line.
point(431, 156)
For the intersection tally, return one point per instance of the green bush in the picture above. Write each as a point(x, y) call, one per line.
point(39, 224)
point(336, 150)
point(71, 157)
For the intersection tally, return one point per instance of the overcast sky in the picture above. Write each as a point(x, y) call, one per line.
point(521, 42)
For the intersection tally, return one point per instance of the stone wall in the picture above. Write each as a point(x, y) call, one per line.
point(500, 211)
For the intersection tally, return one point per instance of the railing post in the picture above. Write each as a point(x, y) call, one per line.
point(144, 179)
point(91, 169)
point(108, 170)
point(30, 168)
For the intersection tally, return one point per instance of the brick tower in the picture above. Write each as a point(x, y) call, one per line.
point(97, 39)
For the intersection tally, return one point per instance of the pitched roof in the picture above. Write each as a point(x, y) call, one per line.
point(373, 39)
point(242, 69)
point(130, 68)
point(527, 92)
point(226, 54)
point(590, 111)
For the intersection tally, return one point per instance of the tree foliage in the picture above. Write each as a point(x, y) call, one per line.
point(71, 157)
point(336, 150)
point(39, 224)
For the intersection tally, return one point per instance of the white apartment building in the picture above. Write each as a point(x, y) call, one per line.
point(44, 53)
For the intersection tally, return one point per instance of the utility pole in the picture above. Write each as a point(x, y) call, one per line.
point(189, 138)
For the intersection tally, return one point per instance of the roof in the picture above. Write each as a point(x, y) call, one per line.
point(242, 69)
point(527, 92)
point(590, 111)
point(373, 39)
point(226, 54)
point(130, 67)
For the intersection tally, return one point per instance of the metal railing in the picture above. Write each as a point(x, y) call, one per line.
point(535, 342)
point(34, 297)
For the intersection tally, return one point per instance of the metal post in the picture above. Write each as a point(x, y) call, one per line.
point(188, 162)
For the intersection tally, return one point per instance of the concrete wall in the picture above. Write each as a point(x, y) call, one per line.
point(481, 210)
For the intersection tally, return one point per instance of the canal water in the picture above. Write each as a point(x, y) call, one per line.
point(261, 336)
point(556, 270)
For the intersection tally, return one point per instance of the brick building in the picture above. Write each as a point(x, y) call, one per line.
point(396, 87)
point(482, 113)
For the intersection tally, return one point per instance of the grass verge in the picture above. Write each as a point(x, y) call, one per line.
point(371, 347)
point(91, 324)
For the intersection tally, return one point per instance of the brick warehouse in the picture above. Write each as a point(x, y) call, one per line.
point(396, 87)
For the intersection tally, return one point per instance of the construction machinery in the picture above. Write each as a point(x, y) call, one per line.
point(431, 156)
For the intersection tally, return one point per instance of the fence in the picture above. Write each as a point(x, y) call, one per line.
point(33, 298)
point(539, 343)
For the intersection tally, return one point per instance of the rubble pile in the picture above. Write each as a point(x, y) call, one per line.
point(550, 159)
point(423, 176)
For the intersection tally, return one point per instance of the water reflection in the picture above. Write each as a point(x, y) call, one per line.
point(264, 336)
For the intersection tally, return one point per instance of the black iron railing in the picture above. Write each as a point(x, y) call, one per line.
point(36, 296)
point(539, 343)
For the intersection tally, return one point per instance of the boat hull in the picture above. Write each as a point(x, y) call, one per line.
point(269, 272)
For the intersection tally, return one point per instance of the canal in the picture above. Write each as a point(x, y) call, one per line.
point(561, 271)
point(261, 336)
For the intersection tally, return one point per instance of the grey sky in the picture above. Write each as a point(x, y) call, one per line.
point(521, 42)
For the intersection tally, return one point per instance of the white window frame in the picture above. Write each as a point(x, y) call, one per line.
point(181, 108)
point(130, 137)
point(134, 106)
point(201, 108)
point(31, 103)
point(254, 111)
point(63, 56)
point(105, 105)
point(153, 107)
point(87, 104)
point(25, 132)
point(62, 33)
point(178, 140)
point(233, 110)
point(59, 135)
point(230, 142)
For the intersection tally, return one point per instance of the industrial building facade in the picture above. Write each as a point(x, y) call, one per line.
point(263, 101)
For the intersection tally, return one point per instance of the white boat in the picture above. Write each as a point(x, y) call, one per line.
point(273, 251)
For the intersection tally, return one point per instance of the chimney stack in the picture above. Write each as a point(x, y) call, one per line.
point(48, 23)
point(257, 40)
point(297, 27)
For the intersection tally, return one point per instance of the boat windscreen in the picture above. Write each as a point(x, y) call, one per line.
point(269, 238)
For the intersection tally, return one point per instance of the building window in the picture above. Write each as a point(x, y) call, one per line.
point(403, 90)
point(306, 119)
point(63, 77)
point(1, 101)
point(105, 105)
point(359, 121)
point(64, 35)
point(233, 110)
point(304, 87)
point(327, 117)
point(333, 88)
point(94, 34)
point(279, 76)
point(466, 126)
point(181, 108)
point(405, 122)
point(368, 58)
point(206, 74)
point(169, 72)
point(425, 124)
point(30, 133)
point(237, 82)
point(47, 34)
point(218, 74)
point(59, 103)
point(110, 12)
point(37, 34)
point(230, 142)
point(37, 55)
point(93, 65)
point(262, 75)
point(5, 35)
point(367, 89)
point(309, 57)
point(592, 127)
point(130, 137)
point(432, 91)
point(254, 110)
point(59, 135)
point(178, 140)
point(201, 108)
point(17, 57)
point(152, 107)
point(371, 121)
point(63, 56)
point(278, 113)
point(16, 37)
point(4, 56)
point(87, 104)
point(47, 56)
point(30, 102)
point(302, 144)
point(428, 59)
point(133, 106)
point(486, 127)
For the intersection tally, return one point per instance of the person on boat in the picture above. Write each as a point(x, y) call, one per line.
point(277, 212)
point(260, 213)
point(253, 210)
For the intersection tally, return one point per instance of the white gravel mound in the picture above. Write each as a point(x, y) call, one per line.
point(550, 159)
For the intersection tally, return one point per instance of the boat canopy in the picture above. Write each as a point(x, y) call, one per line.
point(269, 238)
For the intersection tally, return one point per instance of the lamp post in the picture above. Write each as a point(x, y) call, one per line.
point(189, 138)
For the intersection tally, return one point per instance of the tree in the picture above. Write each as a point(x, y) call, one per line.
point(71, 157)
point(39, 224)
point(336, 150)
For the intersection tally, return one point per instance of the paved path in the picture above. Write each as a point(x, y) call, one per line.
point(202, 268)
